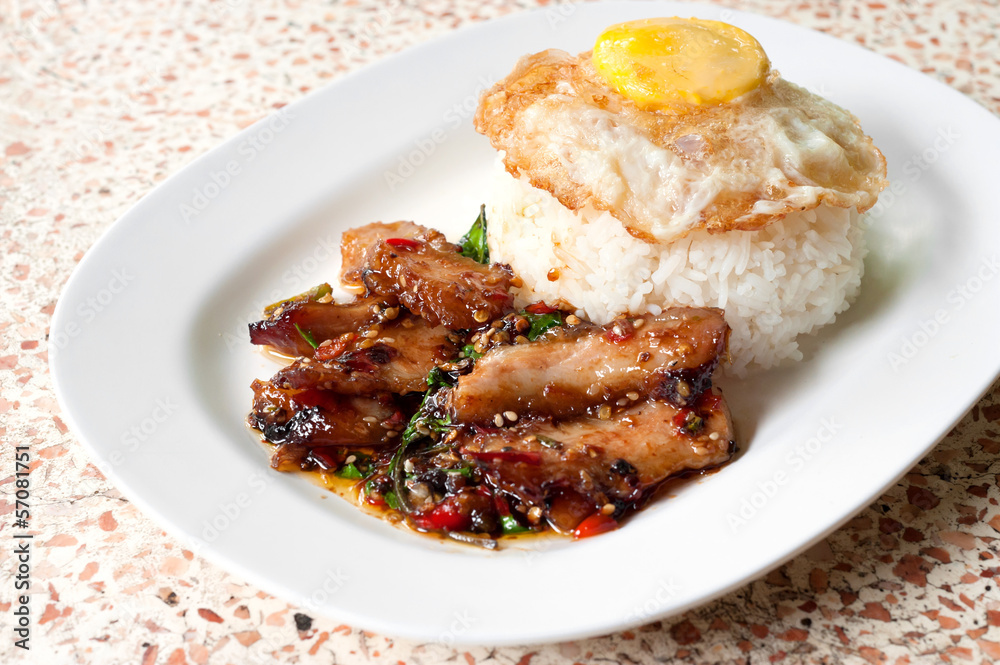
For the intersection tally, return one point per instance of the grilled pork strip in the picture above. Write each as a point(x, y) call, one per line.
point(322, 321)
point(316, 418)
point(396, 359)
point(572, 468)
point(570, 370)
point(355, 243)
point(433, 280)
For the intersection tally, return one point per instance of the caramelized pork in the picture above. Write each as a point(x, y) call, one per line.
point(434, 281)
point(321, 321)
point(570, 370)
point(395, 358)
point(355, 243)
point(315, 418)
point(576, 467)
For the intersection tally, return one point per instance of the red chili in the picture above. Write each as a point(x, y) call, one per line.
point(445, 517)
point(400, 243)
point(332, 350)
point(324, 459)
point(708, 401)
point(682, 416)
point(594, 525)
point(620, 331)
point(503, 509)
point(539, 308)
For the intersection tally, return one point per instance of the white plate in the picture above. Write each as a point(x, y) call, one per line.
point(152, 362)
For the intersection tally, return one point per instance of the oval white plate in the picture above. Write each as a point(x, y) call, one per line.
point(152, 362)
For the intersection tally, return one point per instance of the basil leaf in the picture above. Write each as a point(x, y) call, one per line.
point(306, 335)
point(470, 352)
point(511, 525)
point(540, 323)
point(474, 242)
point(350, 472)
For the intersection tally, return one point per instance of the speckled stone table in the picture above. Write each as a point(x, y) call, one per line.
point(100, 101)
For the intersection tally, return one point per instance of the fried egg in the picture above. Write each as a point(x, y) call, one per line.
point(677, 124)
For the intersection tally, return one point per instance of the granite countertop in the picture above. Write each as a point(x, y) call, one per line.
point(101, 101)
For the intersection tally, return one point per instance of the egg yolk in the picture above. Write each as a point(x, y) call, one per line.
point(663, 63)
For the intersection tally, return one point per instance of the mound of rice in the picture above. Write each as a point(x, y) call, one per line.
point(774, 284)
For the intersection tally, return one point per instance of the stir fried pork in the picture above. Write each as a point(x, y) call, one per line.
point(395, 358)
point(489, 421)
point(321, 321)
point(576, 467)
point(355, 243)
point(322, 418)
point(436, 282)
point(570, 370)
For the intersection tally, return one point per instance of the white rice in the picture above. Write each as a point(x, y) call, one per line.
point(774, 284)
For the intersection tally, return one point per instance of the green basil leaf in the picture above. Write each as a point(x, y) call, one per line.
point(474, 242)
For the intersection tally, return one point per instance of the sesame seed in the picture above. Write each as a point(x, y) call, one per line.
point(371, 333)
point(328, 298)
point(388, 340)
point(375, 309)
point(366, 344)
point(683, 389)
point(408, 323)
point(392, 433)
point(638, 323)
point(714, 436)
point(604, 412)
point(408, 466)
point(498, 420)
point(370, 419)
point(608, 509)
point(510, 415)
point(391, 313)
point(347, 337)
point(481, 316)
point(622, 402)
point(618, 330)
point(633, 395)
point(573, 320)
point(496, 324)
point(521, 339)
point(351, 459)
point(522, 324)
point(534, 514)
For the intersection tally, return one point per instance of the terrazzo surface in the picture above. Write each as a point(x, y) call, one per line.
point(101, 101)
